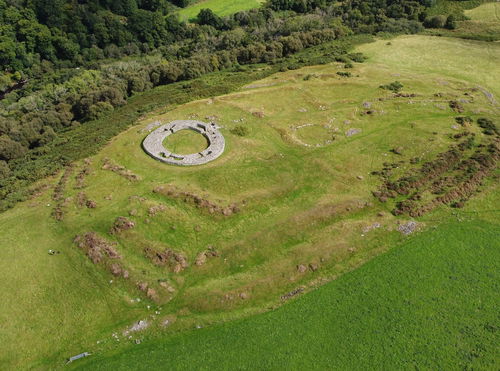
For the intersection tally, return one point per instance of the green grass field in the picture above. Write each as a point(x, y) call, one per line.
point(302, 185)
point(428, 304)
point(219, 7)
point(489, 12)
point(476, 19)
point(457, 8)
point(185, 142)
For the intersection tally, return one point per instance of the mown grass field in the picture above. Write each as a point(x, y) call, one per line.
point(219, 7)
point(301, 179)
point(428, 304)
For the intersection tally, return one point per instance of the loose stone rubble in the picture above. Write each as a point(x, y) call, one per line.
point(153, 144)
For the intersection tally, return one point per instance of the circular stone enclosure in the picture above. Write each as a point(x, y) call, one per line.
point(153, 144)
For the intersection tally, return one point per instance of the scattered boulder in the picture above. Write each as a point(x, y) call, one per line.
point(96, 247)
point(81, 199)
point(301, 268)
point(408, 227)
point(201, 259)
point(244, 295)
point(91, 204)
point(292, 293)
point(153, 210)
point(174, 260)
point(167, 287)
point(313, 267)
point(151, 294)
point(143, 286)
point(371, 227)
point(120, 170)
point(198, 201)
point(351, 132)
point(258, 114)
point(121, 224)
point(139, 326)
point(115, 269)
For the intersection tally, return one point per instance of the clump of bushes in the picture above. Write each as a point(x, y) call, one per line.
point(463, 120)
point(441, 21)
point(438, 21)
point(240, 130)
point(344, 74)
point(395, 86)
point(357, 57)
point(488, 126)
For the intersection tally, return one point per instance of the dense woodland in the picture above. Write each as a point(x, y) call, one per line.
point(68, 62)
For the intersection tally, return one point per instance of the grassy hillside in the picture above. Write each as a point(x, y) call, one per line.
point(476, 19)
point(428, 304)
point(285, 209)
point(220, 7)
point(489, 12)
point(454, 7)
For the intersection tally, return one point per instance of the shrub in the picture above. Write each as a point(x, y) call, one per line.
point(240, 130)
point(357, 57)
point(462, 120)
point(437, 21)
point(344, 74)
point(4, 169)
point(489, 128)
point(451, 23)
point(395, 86)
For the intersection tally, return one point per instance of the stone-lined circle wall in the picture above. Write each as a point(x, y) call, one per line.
point(153, 144)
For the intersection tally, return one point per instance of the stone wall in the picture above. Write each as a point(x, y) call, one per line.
point(153, 144)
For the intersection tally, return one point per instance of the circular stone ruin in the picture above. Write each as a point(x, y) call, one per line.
point(153, 144)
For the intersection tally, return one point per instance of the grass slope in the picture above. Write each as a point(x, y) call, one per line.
point(429, 304)
point(300, 204)
point(475, 21)
point(489, 12)
point(219, 7)
point(473, 61)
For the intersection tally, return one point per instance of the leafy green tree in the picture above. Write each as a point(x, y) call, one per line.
point(10, 149)
point(451, 23)
point(208, 17)
point(4, 169)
